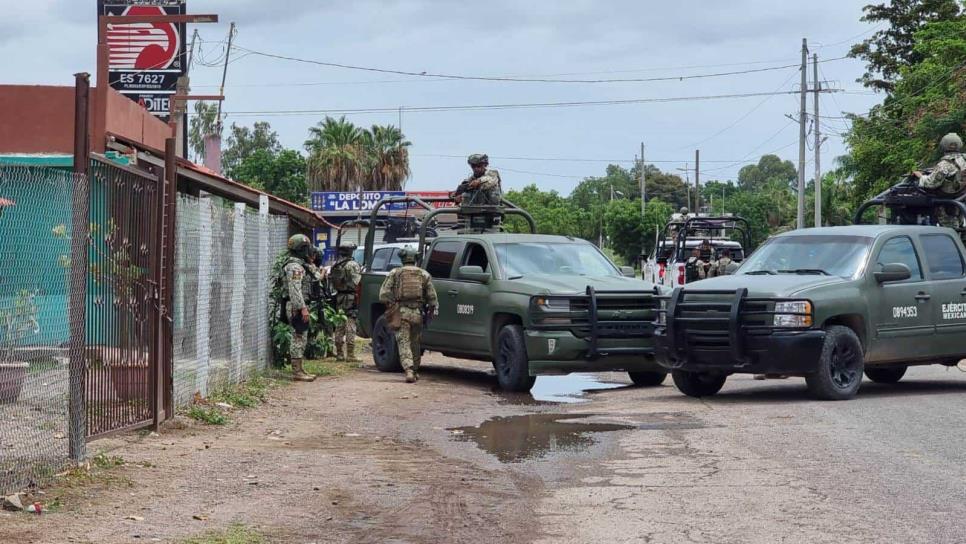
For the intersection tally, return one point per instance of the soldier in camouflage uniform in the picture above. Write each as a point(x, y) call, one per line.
point(948, 177)
point(298, 288)
point(409, 291)
point(344, 277)
point(724, 266)
point(483, 188)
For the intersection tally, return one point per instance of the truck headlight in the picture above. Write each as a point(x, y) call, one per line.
point(793, 314)
point(551, 305)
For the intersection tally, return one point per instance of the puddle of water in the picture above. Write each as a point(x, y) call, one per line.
point(569, 388)
point(518, 438)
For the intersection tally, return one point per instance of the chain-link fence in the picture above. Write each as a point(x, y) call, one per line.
point(35, 256)
point(222, 267)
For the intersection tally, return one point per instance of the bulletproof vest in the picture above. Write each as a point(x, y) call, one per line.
point(960, 161)
point(341, 276)
point(410, 284)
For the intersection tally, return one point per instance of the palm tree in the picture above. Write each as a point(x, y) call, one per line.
point(387, 157)
point(337, 157)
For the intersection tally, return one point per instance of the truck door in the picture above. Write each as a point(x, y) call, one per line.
point(439, 264)
point(904, 313)
point(472, 302)
point(945, 270)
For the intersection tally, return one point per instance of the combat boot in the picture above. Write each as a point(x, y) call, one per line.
point(298, 372)
point(410, 376)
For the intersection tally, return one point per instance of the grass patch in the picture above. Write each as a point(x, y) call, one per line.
point(322, 368)
point(244, 395)
point(209, 415)
point(236, 534)
point(97, 470)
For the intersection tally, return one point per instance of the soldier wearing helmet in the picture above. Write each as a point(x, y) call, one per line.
point(298, 280)
point(410, 300)
point(948, 177)
point(344, 278)
point(482, 188)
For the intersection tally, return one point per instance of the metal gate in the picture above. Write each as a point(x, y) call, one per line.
point(123, 314)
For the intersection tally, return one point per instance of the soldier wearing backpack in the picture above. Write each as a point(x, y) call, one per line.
point(344, 278)
point(410, 300)
point(298, 291)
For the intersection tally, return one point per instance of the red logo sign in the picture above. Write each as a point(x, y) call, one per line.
point(143, 46)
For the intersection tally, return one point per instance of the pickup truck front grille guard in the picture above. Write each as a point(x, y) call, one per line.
point(675, 324)
point(586, 322)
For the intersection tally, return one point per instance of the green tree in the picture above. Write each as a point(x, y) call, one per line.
point(204, 122)
point(387, 158)
point(337, 156)
point(281, 174)
point(902, 133)
point(770, 168)
point(553, 213)
point(890, 50)
point(666, 187)
point(244, 141)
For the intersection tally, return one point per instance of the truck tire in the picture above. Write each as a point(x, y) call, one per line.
point(886, 375)
point(385, 353)
point(698, 384)
point(839, 372)
point(648, 378)
point(511, 361)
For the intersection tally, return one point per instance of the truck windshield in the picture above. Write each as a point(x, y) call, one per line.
point(820, 254)
point(553, 259)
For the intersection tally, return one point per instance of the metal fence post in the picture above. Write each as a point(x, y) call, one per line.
point(238, 290)
point(203, 308)
point(264, 264)
point(80, 224)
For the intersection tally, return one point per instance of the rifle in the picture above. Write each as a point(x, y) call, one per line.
point(462, 188)
point(428, 315)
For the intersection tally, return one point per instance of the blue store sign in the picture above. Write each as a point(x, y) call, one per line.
point(350, 202)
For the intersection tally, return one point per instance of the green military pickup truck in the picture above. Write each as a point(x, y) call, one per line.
point(532, 304)
point(827, 304)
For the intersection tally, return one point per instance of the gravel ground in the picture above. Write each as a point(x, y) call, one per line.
point(367, 458)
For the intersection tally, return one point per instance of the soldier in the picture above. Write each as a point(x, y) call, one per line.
point(947, 177)
point(344, 277)
point(483, 188)
point(694, 269)
point(409, 292)
point(298, 289)
point(724, 266)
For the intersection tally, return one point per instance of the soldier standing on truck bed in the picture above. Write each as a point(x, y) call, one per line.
point(724, 266)
point(483, 188)
point(298, 294)
point(694, 268)
point(948, 177)
point(410, 300)
point(344, 277)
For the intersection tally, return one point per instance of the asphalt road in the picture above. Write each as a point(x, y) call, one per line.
point(761, 462)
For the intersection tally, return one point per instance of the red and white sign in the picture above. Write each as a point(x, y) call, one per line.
point(143, 46)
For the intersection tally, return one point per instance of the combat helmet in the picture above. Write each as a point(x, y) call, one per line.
point(299, 243)
point(407, 255)
point(346, 248)
point(951, 142)
point(477, 159)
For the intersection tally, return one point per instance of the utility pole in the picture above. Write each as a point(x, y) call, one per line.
point(697, 180)
point(800, 220)
point(643, 182)
point(818, 145)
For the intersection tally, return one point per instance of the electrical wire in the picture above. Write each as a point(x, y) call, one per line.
point(507, 78)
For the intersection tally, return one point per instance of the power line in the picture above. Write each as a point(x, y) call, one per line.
point(484, 107)
point(567, 159)
point(508, 78)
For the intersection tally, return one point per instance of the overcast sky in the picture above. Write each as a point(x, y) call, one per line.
point(46, 41)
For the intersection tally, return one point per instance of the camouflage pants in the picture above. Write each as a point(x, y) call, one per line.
point(297, 349)
point(345, 334)
point(407, 337)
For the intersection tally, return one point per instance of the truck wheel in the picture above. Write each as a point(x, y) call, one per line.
point(648, 379)
point(839, 372)
point(698, 384)
point(384, 351)
point(510, 360)
point(886, 375)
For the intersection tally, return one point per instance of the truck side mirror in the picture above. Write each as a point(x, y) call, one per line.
point(627, 271)
point(473, 273)
point(893, 272)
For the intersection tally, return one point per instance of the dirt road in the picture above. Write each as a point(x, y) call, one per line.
point(367, 458)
